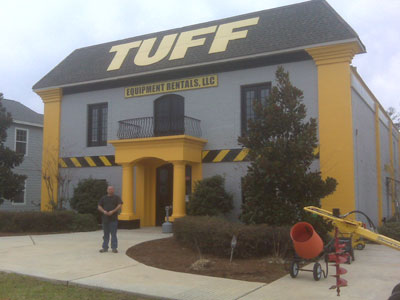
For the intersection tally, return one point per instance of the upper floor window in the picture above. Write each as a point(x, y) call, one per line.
point(249, 95)
point(97, 124)
point(169, 115)
point(21, 141)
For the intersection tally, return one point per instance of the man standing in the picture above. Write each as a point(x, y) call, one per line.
point(109, 206)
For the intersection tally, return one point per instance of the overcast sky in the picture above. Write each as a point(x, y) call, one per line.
point(37, 35)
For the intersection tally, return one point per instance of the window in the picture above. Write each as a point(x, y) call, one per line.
point(20, 197)
point(97, 124)
point(249, 95)
point(21, 141)
point(169, 115)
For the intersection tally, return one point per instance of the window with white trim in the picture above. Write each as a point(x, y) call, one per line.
point(21, 141)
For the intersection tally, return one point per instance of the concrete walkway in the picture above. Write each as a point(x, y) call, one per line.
point(74, 259)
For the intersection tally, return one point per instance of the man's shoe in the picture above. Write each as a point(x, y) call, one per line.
point(114, 250)
point(103, 250)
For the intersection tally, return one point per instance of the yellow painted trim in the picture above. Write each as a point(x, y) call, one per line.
point(51, 147)
point(334, 54)
point(105, 161)
point(392, 183)
point(157, 139)
point(221, 155)
point(378, 163)
point(175, 148)
point(336, 121)
point(62, 163)
point(241, 155)
point(90, 161)
point(204, 154)
point(76, 162)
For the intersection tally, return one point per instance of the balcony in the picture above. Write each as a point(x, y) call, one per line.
point(161, 126)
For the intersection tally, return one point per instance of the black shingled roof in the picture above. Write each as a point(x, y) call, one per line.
point(281, 29)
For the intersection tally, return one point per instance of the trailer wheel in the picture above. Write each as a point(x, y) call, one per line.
point(294, 269)
point(360, 246)
point(317, 271)
point(396, 289)
point(353, 258)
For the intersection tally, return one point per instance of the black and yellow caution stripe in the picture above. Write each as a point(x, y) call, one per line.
point(208, 156)
point(87, 161)
point(227, 155)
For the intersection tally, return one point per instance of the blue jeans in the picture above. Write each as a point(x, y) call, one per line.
point(110, 228)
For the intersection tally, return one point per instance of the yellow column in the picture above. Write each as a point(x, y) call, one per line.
point(335, 121)
point(378, 162)
point(127, 212)
point(51, 146)
point(178, 202)
point(139, 197)
point(197, 174)
point(391, 164)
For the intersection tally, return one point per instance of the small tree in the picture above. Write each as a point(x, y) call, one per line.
point(395, 116)
point(210, 198)
point(55, 180)
point(11, 184)
point(87, 194)
point(281, 144)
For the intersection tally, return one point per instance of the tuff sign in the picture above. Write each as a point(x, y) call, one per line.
point(223, 34)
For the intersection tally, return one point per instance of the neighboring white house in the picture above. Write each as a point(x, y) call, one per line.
point(25, 135)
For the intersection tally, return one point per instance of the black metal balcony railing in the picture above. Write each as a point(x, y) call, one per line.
point(150, 127)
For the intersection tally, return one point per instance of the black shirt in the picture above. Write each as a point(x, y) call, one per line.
point(108, 203)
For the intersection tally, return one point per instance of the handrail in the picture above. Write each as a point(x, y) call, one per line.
point(162, 126)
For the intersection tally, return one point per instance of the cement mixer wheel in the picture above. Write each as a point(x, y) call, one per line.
point(317, 271)
point(294, 269)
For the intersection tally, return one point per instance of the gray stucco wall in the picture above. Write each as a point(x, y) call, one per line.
point(218, 108)
point(31, 167)
point(113, 175)
point(364, 157)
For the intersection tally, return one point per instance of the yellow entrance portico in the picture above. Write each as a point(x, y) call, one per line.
point(140, 159)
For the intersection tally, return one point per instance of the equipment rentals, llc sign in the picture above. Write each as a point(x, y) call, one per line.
point(172, 86)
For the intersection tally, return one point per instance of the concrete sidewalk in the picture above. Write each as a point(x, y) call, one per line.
point(74, 259)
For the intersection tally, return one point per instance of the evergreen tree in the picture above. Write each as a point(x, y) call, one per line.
point(281, 144)
point(11, 184)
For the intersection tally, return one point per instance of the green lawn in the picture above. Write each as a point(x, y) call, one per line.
point(16, 287)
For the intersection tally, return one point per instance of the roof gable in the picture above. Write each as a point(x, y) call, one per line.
point(22, 113)
point(266, 32)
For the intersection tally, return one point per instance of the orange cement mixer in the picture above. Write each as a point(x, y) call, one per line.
point(306, 241)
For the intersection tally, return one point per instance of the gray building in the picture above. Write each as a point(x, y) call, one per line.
point(25, 136)
point(153, 114)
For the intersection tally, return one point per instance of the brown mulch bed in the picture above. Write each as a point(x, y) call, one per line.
point(168, 254)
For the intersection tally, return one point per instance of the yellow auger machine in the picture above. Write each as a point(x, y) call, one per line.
point(354, 229)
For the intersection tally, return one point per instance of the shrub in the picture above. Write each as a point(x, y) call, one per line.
point(87, 195)
point(391, 229)
point(58, 221)
point(210, 198)
point(213, 235)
